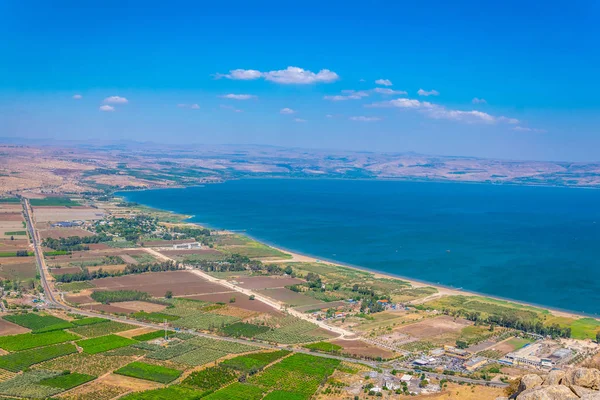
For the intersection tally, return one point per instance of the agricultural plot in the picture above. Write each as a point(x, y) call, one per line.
point(241, 301)
point(154, 316)
point(204, 321)
point(84, 363)
point(12, 269)
point(222, 345)
point(254, 362)
point(38, 323)
point(28, 385)
point(301, 374)
point(267, 282)
point(101, 329)
point(27, 341)
point(292, 330)
point(238, 391)
point(67, 381)
point(244, 329)
point(358, 348)
point(149, 372)
point(171, 351)
point(199, 357)
point(289, 297)
point(104, 343)
point(151, 335)
point(95, 391)
point(88, 321)
point(8, 328)
point(74, 286)
point(172, 392)
point(212, 378)
point(20, 360)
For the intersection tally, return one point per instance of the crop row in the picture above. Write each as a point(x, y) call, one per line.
point(22, 359)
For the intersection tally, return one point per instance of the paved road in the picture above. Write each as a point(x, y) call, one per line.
point(51, 300)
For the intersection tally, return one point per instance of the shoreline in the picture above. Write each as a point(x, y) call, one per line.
point(442, 289)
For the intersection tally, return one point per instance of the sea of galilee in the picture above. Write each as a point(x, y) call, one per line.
point(531, 244)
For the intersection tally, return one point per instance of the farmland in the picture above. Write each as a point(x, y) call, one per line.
point(211, 378)
point(84, 363)
point(26, 341)
point(149, 372)
point(67, 381)
point(101, 329)
point(104, 343)
point(254, 362)
point(20, 360)
point(28, 385)
point(38, 323)
point(237, 391)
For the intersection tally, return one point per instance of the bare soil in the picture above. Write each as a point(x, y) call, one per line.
point(360, 348)
point(432, 327)
point(267, 282)
point(241, 301)
point(8, 328)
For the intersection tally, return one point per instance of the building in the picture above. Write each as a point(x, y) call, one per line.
point(528, 356)
point(454, 352)
point(187, 246)
point(474, 363)
point(406, 378)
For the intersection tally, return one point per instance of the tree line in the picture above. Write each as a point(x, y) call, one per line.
point(86, 275)
point(74, 243)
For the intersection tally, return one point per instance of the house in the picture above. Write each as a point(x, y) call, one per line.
point(406, 378)
point(475, 363)
point(187, 246)
point(454, 352)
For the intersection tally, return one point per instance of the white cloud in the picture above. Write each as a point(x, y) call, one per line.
point(286, 111)
point(116, 100)
point(388, 91)
point(329, 116)
point(348, 95)
point(384, 82)
point(290, 75)
point(238, 96)
point(478, 101)
point(107, 108)
point(195, 107)
point(525, 129)
point(422, 92)
point(299, 120)
point(440, 112)
point(241, 74)
point(365, 119)
point(77, 96)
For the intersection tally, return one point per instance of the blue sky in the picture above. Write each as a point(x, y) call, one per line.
point(509, 79)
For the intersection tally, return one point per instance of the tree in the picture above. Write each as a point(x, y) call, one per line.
point(168, 294)
point(251, 297)
point(461, 344)
point(232, 300)
point(598, 337)
point(12, 237)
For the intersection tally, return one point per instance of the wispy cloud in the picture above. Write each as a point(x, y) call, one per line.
point(388, 91)
point(383, 82)
point(77, 96)
point(107, 108)
point(348, 95)
point(286, 111)
point(478, 101)
point(426, 93)
point(365, 119)
point(238, 96)
point(190, 106)
point(116, 100)
point(290, 75)
point(299, 120)
point(226, 107)
point(525, 129)
point(436, 111)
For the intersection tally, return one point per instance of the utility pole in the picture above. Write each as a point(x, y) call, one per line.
point(166, 330)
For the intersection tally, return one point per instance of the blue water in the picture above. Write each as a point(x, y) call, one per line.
point(534, 244)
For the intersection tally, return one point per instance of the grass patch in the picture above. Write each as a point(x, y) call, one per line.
point(104, 343)
point(101, 329)
point(88, 321)
point(518, 343)
point(18, 361)
point(74, 286)
point(585, 328)
point(149, 372)
point(27, 341)
point(324, 346)
point(67, 381)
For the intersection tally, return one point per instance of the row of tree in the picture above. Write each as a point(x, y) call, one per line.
point(86, 275)
point(74, 243)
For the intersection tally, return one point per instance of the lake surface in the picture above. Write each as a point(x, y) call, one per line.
point(535, 244)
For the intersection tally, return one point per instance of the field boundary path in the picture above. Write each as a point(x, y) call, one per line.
point(345, 334)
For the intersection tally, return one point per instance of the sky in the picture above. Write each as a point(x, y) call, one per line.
point(510, 79)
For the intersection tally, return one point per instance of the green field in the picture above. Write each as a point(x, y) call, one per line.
point(104, 343)
point(27, 385)
point(212, 378)
point(154, 316)
point(282, 395)
point(27, 341)
point(149, 372)
point(10, 200)
point(251, 363)
point(88, 321)
point(166, 353)
point(101, 329)
point(301, 374)
point(174, 392)
point(14, 254)
point(324, 346)
point(237, 391)
point(518, 343)
point(38, 323)
point(67, 381)
point(15, 233)
point(22, 359)
point(74, 286)
point(54, 202)
point(244, 329)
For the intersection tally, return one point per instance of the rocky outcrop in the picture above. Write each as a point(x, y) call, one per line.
point(574, 384)
point(584, 377)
